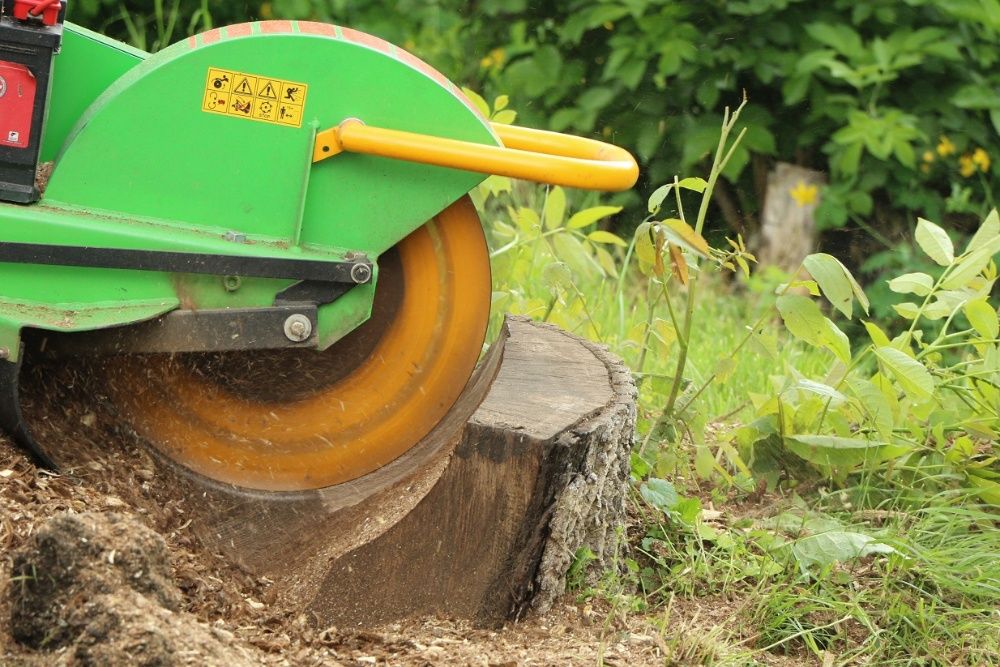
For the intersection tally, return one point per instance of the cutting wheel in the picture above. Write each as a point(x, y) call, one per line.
point(299, 419)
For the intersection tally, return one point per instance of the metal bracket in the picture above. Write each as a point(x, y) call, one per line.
point(198, 331)
point(351, 272)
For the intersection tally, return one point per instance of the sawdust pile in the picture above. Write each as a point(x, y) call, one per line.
point(87, 578)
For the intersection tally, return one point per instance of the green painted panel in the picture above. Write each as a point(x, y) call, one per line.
point(145, 167)
point(161, 156)
point(87, 64)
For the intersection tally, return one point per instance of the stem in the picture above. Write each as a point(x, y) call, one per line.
point(646, 333)
point(721, 158)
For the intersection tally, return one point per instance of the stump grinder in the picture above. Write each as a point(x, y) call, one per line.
point(264, 233)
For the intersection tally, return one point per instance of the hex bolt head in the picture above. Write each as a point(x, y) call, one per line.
point(298, 328)
point(361, 273)
point(235, 237)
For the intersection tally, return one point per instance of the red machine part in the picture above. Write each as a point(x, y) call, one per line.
point(47, 9)
point(17, 104)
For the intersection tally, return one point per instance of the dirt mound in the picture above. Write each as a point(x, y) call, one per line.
point(100, 586)
point(130, 629)
point(74, 558)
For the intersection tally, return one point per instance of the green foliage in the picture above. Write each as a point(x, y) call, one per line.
point(920, 409)
point(152, 26)
point(897, 101)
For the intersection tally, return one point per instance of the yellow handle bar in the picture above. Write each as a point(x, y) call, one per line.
point(533, 155)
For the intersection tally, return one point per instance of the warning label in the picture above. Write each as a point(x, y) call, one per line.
point(255, 97)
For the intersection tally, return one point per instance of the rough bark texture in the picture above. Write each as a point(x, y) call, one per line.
point(788, 229)
point(480, 520)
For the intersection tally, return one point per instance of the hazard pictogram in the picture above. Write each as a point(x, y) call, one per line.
point(262, 98)
point(268, 89)
point(244, 87)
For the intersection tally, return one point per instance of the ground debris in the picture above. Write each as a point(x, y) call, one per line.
point(188, 607)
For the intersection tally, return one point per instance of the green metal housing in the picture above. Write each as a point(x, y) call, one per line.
point(138, 164)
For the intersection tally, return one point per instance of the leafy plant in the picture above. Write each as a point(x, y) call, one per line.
point(922, 407)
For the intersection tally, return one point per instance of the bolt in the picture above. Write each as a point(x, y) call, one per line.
point(236, 237)
point(4, 353)
point(232, 283)
point(298, 328)
point(361, 273)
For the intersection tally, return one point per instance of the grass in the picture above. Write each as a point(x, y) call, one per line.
point(731, 573)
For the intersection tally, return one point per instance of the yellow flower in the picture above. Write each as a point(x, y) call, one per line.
point(928, 156)
point(966, 167)
point(495, 57)
point(982, 159)
point(804, 195)
point(945, 147)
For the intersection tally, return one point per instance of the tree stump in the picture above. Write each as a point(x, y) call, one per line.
point(481, 520)
point(788, 228)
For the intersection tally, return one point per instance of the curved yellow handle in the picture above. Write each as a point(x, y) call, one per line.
point(533, 155)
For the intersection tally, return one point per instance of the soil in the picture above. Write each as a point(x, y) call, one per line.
point(87, 578)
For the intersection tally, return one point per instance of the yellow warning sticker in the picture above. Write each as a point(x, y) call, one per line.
point(255, 97)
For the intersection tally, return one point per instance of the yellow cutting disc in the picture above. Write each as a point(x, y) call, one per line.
point(298, 419)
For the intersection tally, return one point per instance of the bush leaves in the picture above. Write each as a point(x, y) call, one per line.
point(935, 242)
point(911, 375)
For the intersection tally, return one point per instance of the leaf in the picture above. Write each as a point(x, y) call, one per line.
point(835, 546)
point(912, 283)
point(500, 103)
point(659, 493)
point(645, 250)
point(809, 285)
point(836, 340)
point(829, 274)
point(677, 263)
point(907, 310)
point(987, 490)
point(478, 101)
point(589, 216)
point(555, 208)
point(505, 117)
point(935, 242)
point(987, 231)
point(820, 389)
point(684, 235)
point(876, 334)
point(695, 183)
point(911, 375)
point(971, 265)
point(873, 404)
point(803, 319)
point(832, 451)
point(601, 236)
point(983, 318)
point(665, 333)
point(556, 276)
point(577, 255)
point(527, 220)
point(606, 261)
point(656, 199)
point(976, 96)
